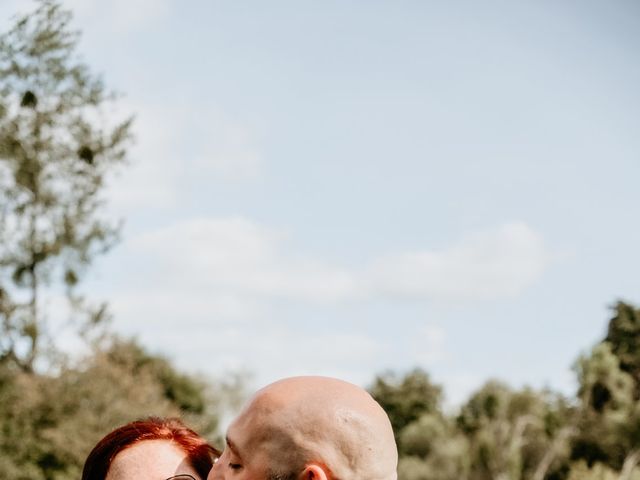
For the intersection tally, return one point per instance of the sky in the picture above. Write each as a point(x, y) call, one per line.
point(349, 188)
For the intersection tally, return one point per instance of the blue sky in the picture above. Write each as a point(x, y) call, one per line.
point(344, 188)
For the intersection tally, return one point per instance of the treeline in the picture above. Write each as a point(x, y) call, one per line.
point(50, 421)
point(501, 433)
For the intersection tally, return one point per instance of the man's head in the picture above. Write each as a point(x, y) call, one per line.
point(311, 428)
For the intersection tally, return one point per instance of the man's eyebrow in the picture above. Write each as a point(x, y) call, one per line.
point(232, 447)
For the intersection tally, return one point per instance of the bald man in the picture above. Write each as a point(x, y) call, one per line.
point(309, 428)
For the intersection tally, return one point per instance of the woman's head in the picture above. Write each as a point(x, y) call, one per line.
point(153, 448)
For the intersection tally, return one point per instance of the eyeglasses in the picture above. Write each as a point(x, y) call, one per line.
point(182, 476)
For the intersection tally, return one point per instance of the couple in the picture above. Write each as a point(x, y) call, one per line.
point(300, 428)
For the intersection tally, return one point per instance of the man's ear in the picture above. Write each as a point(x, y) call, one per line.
point(314, 472)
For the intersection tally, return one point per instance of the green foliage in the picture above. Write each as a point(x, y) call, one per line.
point(513, 434)
point(421, 436)
point(408, 398)
point(183, 390)
point(604, 386)
point(624, 337)
point(432, 448)
point(607, 409)
point(413, 468)
point(50, 422)
point(56, 147)
point(581, 471)
point(506, 434)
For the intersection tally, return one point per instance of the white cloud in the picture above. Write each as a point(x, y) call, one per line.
point(234, 254)
point(202, 335)
point(490, 264)
point(166, 304)
point(180, 149)
point(241, 259)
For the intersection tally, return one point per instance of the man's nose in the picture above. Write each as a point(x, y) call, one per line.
point(214, 473)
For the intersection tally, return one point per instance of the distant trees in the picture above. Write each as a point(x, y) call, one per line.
point(506, 434)
point(49, 423)
point(514, 434)
point(609, 414)
point(406, 398)
point(428, 443)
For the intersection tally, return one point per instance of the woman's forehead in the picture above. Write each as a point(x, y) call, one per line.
point(149, 460)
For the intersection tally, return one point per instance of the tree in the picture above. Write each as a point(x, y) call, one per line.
point(609, 421)
point(50, 422)
point(515, 434)
point(428, 444)
point(581, 471)
point(56, 147)
point(623, 335)
point(407, 398)
point(433, 449)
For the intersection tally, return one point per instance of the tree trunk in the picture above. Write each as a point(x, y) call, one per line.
point(552, 451)
point(629, 465)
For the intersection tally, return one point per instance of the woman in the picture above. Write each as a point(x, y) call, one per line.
point(151, 449)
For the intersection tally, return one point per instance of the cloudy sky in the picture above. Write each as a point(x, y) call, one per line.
point(345, 188)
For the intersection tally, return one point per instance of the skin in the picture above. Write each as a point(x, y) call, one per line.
point(150, 460)
point(312, 428)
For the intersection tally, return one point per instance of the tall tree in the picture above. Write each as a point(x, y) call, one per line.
point(56, 146)
point(623, 335)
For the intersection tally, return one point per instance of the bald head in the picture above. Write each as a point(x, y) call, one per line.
point(300, 421)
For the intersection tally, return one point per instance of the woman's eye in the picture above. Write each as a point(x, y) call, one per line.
point(235, 466)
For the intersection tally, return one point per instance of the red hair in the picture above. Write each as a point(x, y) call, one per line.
point(199, 453)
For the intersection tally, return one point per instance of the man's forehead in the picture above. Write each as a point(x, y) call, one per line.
point(254, 428)
point(241, 431)
point(260, 409)
point(232, 445)
point(249, 444)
